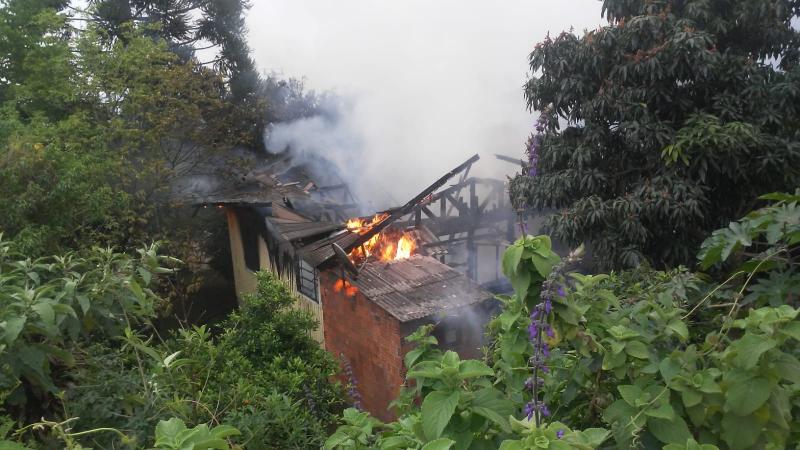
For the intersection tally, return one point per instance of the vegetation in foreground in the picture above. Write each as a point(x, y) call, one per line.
point(81, 365)
point(636, 359)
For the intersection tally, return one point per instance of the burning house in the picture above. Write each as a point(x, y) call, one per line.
point(371, 281)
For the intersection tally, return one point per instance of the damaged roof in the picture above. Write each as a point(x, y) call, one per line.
point(318, 252)
point(417, 287)
point(248, 194)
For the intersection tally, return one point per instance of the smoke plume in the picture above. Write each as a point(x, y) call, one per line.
point(428, 84)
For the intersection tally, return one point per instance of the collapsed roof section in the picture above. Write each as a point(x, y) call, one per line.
point(320, 252)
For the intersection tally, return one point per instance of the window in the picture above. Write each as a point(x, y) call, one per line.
point(307, 280)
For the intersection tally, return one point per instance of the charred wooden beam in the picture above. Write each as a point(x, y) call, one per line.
point(409, 206)
point(463, 224)
point(509, 159)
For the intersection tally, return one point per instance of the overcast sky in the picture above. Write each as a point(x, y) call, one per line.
point(432, 81)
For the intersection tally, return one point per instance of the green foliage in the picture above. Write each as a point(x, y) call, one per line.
point(48, 304)
point(262, 374)
point(526, 264)
point(639, 359)
point(555, 436)
point(773, 230)
point(77, 349)
point(675, 116)
point(172, 434)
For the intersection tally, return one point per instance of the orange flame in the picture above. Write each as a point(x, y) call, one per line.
point(386, 246)
point(348, 288)
point(405, 247)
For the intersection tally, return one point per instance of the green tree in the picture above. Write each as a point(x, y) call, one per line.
point(188, 26)
point(663, 125)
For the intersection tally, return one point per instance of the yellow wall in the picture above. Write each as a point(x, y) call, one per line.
point(245, 280)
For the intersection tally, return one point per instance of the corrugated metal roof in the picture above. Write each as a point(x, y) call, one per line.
point(417, 287)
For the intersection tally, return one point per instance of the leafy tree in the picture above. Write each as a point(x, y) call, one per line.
point(663, 125)
point(189, 26)
point(36, 59)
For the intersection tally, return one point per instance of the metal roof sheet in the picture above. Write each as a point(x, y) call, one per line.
point(417, 287)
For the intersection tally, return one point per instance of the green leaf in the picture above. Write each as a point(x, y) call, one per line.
point(339, 437)
point(439, 444)
point(521, 282)
point(679, 328)
point(425, 369)
point(224, 431)
point(84, 302)
point(451, 359)
point(512, 445)
point(630, 393)
point(740, 433)
point(412, 356)
point(493, 416)
point(437, 409)
point(544, 263)
point(511, 259)
point(472, 368)
point(691, 397)
point(746, 396)
point(750, 348)
point(217, 444)
point(672, 431)
point(621, 333)
point(691, 444)
point(12, 327)
point(590, 437)
point(167, 431)
point(788, 367)
point(45, 312)
point(663, 411)
point(637, 349)
point(613, 360)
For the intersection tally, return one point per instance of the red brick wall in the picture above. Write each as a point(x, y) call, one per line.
point(369, 338)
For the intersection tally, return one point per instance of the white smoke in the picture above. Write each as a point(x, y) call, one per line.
point(331, 145)
point(429, 83)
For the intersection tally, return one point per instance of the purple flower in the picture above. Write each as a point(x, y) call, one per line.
point(544, 410)
point(549, 331)
point(529, 383)
point(560, 434)
point(533, 330)
point(561, 292)
point(352, 389)
point(528, 410)
point(534, 143)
